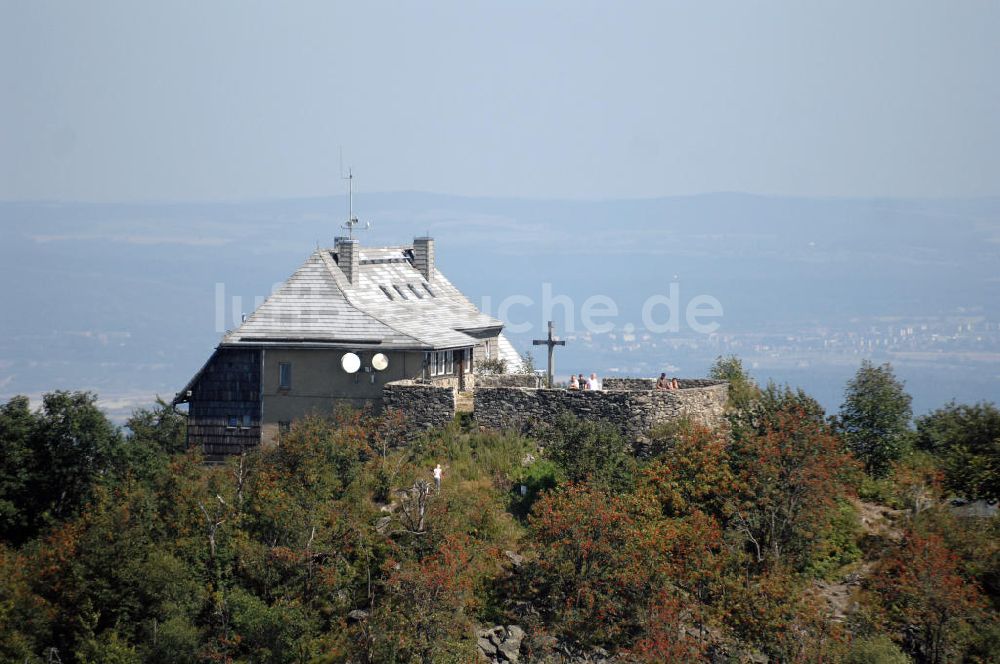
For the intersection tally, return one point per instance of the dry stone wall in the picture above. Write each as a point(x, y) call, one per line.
point(629, 383)
point(508, 380)
point(634, 411)
point(424, 405)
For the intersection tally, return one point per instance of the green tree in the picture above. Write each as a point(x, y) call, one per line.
point(875, 417)
point(52, 460)
point(967, 439)
point(592, 451)
point(160, 426)
point(18, 469)
point(742, 389)
point(76, 444)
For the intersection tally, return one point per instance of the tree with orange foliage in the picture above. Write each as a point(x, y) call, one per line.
point(667, 638)
point(693, 473)
point(595, 565)
point(422, 616)
point(787, 479)
point(925, 597)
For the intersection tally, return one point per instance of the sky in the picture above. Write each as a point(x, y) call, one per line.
point(226, 100)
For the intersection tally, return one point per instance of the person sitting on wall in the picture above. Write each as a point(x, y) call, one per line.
point(595, 382)
point(584, 385)
point(662, 383)
point(674, 385)
point(573, 384)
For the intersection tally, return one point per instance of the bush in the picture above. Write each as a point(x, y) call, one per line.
point(589, 451)
point(877, 649)
point(491, 367)
point(838, 542)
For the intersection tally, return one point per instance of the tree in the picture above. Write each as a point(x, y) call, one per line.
point(693, 473)
point(595, 565)
point(788, 478)
point(160, 427)
point(875, 417)
point(666, 637)
point(592, 451)
point(52, 460)
point(967, 439)
point(423, 616)
point(18, 469)
point(924, 595)
point(742, 390)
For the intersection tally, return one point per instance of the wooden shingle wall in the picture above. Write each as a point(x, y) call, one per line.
point(229, 387)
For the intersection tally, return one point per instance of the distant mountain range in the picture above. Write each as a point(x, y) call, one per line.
point(122, 298)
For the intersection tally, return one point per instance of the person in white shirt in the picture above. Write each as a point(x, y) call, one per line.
point(595, 382)
point(437, 477)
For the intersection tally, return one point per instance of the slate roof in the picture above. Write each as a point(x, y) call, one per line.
point(390, 304)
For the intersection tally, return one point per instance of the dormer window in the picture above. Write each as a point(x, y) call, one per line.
point(400, 291)
point(385, 291)
point(429, 291)
point(415, 291)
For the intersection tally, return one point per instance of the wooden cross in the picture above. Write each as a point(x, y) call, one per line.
point(551, 342)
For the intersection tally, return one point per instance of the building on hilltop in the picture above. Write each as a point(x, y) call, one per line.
point(350, 320)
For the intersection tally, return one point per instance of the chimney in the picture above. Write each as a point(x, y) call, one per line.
point(423, 256)
point(348, 257)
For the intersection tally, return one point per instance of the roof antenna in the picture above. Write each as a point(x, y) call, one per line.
point(352, 221)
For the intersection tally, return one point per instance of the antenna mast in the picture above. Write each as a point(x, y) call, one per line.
point(352, 221)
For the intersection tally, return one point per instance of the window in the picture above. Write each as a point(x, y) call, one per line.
point(284, 427)
point(246, 421)
point(400, 291)
point(233, 422)
point(285, 375)
point(415, 291)
point(429, 291)
point(487, 350)
point(440, 362)
point(385, 291)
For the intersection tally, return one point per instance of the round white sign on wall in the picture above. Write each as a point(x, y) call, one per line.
point(350, 362)
point(380, 362)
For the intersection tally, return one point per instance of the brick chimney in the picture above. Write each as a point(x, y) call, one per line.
point(348, 257)
point(423, 256)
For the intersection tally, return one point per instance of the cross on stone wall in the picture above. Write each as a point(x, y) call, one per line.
point(551, 342)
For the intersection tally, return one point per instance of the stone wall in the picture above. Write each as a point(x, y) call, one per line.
point(629, 383)
point(635, 412)
point(424, 405)
point(509, 380)
point(638, 384)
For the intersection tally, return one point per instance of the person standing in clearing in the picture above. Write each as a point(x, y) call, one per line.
point(437, 477)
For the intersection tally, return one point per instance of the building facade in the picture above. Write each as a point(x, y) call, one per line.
point(348, 321)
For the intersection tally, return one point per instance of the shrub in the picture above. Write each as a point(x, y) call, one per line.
point(878, 649)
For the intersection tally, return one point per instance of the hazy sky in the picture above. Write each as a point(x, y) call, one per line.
point(220, 100)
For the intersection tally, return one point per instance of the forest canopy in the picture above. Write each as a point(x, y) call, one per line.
point(784, 534)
